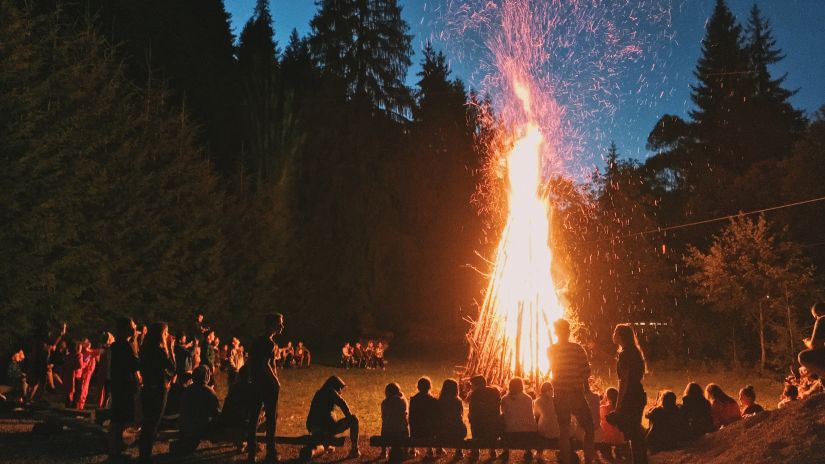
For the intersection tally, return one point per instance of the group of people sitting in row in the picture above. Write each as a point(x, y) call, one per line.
point(368, 356)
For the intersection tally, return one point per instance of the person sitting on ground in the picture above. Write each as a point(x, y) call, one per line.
point(813, 358)
point(358, 359)
point(235, 413)
point(544, 411)
point(789, 395)
point(321, 422)
point(424, 413)
point(199, 407)
point(346, 356)
point(303, 358)
point(394, 423)
point(666, 423)
point(696, 412)
point(288, 355)
point(517, 415)
point(450, 420)
point(747, 398)
point(723, 409)
point(484, 414)
point(378, 356)
point(15, 378)
point(808, 383)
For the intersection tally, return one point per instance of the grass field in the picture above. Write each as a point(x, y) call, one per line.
point(365, 388)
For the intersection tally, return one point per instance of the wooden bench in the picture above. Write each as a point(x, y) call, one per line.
point(520, 443)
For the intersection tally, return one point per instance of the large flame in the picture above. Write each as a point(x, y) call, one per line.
point(512, 334)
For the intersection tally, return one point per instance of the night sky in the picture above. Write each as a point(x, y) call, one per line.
point(797, 24)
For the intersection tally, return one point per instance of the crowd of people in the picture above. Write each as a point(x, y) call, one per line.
point(367, 356)
point(175, 374)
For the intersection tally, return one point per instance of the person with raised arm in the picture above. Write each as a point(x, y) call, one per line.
point(263, 375)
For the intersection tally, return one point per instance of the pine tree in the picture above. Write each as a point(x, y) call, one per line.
point(364, 47)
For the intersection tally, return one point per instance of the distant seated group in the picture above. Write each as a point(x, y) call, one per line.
point(293, 356)
point(369, 356)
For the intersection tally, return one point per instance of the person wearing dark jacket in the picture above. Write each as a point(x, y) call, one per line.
point(263, 376)
point(124, 381)
point(157, 368)
point(695, 412)
point(321, 422)
point(666, 425)
point(630, 367)
point(423, 413)
point(235, 413)
point(451, 426)
point(199, 407)
point(485, 413)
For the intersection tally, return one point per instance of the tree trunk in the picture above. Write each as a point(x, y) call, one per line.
point(762, 354)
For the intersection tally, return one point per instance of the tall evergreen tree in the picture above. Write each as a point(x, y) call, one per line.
point(364, 47)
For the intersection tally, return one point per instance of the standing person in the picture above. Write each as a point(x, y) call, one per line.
point(695, 412)
point(571, 370)
point(346, 356)
point(125, 379)
point(394, 420)
point(235, 361)
point(57, 361)
point(380, 348)
point(544, 410)
point(630, 405)
point(16, 377)
point(209, 353)
point(263, 375)
point(424, 413)
point(358, 356)
point(184, 357)
point(321, 422)
point(38, 362)
point(484, 414)
point(450, 419)
point(723, 409)
point(89, 365)
point(101, 377)
point(157, 368)
point(369, 355)
point(814, 357)
point(517, 412)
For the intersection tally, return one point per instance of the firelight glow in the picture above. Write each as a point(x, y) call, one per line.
point(512, 334)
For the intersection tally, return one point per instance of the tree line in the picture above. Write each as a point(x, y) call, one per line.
point(154, 165)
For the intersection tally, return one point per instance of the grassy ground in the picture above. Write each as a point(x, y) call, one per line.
point(364, 394)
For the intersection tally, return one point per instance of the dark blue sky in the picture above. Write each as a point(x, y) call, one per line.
point(799, 27)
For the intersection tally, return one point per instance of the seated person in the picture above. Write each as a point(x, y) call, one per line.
point(723, 409)
point(814, 357)
point(424, 413)
point(593, 403)
point(358, 359)
point(544, 411)
point(321, 422)
point(288, 355)
point(303, 358)
point(16, 386)
point(394, 424)
point(450, 421)
point(808, 383)
point(199, 407)
point(484, 414)
point(696, 412)
point(790, 395)
point(747, 400)
point(666, 425)
point(517, 415)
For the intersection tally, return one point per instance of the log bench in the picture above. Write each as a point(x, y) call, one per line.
point(521, 443)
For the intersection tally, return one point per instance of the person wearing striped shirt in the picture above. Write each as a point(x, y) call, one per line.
point(570, 370)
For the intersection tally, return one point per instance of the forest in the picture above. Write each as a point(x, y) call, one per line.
point(155, 165)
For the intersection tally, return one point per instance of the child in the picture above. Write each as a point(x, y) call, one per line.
point(451, 415)
point(814, 357)
point(790, 394)
point(723, 408)
point(517, 412)
point(666, 426)
point(394, 423)
point(424, 413)
point(593, 403)
point(610, 433)
point(696, 412)
point(747, 398)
